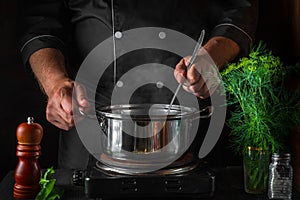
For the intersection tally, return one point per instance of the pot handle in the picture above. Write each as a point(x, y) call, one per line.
point(82, 113)
point(101, 119)
point(203, 113)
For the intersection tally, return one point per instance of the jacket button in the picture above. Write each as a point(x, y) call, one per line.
point(118, 34)
point(162, 35)
point(159, 84)
point(120, 84)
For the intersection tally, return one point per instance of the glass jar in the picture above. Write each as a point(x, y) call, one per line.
point(280, 177)
point(256, 164)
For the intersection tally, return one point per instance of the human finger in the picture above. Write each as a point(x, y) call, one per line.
point(58, 109)
point(54, 116)
point(59, 122)
point(81, 95)
point(66, 112)
point(180, 71)
point(193, 76)
point(201, 92)
point(66, 100)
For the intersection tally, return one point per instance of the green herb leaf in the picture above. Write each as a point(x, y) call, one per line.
point(48, 190)
point(55, 194)
point(263, 110)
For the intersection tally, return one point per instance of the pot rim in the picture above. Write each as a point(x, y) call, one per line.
point(124, 112)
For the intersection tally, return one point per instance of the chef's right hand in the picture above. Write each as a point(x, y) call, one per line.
point(60, 109)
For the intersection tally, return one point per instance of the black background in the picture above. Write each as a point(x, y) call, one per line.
point(21, 97)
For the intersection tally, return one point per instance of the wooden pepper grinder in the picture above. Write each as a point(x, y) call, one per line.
point(28, 172)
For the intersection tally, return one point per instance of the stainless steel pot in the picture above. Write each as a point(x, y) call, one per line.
point(143, 129)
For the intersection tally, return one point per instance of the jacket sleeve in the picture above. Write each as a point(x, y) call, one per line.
point(237, 21)
point(41, 25)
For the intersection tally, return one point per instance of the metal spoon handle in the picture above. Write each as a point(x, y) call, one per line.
point(191, 62)
point(196, 50)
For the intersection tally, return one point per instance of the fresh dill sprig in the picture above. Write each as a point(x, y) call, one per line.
point(264, 111)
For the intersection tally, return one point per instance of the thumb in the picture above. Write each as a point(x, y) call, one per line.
point(187, 60)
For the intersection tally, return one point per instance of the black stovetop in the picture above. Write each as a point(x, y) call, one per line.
point(196, 183)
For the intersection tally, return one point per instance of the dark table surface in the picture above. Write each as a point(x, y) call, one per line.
point(229, 185)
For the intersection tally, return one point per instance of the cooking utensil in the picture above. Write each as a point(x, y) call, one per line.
point(191, 62)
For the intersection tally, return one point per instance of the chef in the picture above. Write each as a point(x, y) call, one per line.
point(56, 36)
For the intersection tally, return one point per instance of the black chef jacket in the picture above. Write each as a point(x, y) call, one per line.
point(83, 24)
point(44, 22)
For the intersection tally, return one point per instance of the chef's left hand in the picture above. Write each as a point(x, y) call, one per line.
point(202, 78)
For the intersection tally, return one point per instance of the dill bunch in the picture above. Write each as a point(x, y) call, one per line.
point(263, 111)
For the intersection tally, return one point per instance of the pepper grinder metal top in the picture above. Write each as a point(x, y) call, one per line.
point(30, 120)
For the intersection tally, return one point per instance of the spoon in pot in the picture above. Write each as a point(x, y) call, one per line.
point(191, 62)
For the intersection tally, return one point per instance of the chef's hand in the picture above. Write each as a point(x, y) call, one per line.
point(60, 106)
point(48, 66)
point(202, 78)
